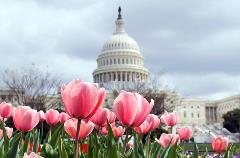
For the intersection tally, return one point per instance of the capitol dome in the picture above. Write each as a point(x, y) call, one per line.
point(120, 41)
point(121, 60)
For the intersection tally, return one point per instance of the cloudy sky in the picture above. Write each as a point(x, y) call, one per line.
point(196, 44)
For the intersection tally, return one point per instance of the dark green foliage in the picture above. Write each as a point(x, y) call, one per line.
point(232, 121)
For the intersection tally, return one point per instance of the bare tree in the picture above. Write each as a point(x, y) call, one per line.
point(32, 86)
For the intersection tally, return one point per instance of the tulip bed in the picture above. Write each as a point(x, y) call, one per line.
point(86, 130)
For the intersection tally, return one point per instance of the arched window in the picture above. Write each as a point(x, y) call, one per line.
point(119, 61)
point(110, 61)
point(114, 61)
point(107, 61)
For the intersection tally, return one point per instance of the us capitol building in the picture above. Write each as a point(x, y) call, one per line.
point(121, 63)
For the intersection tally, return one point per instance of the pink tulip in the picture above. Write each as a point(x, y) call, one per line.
point(131, 109)
point(9, 132)
point(6, 110)
point(41, 115)
point(130, 144)
point(117, 131)
point(111, 117)
point(100, 117)
point(143, 128)
point(31, 155)
point(104, 130)
point(63, 117)
point(52, 117)
point(85, 128)
point(25, 118)
point(220, 144)
point(185, 133)
point(165, 139)
point(170, 119)
point(82, 99)
point(154, 120)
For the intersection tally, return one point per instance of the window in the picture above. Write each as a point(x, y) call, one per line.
point(114, 61)
point(122, 61)
point(107, 62)
point(198, 115)
point(184, 114)
point(110, 61)
point(126, 61)
point(118, 61)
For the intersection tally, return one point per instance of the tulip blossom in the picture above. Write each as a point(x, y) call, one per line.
point(85, 128)
point(166, 139)
point(41, 115)
point(131, 109)
point(220, 144)
point(100, 117)
point(170, 119)
point(154, 120)
point(31, 155)
point(9, 132)
point(25, 118)
point(143, 128)
point(111, 117)
point(52, 117)
point(118, 131)
point(104, 130)
point(185, 133)
point(82, 99)
point(63, 117)
point(6, 110)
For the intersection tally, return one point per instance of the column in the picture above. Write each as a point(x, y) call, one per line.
point(121, 76)
point(126, 76)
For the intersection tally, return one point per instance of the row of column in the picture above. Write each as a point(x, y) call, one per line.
point(120, 76)
point(211, 114)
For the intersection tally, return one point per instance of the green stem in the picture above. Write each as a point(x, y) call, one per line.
point(41, 131)
point(76, 140)
point(148, 145)
point(126, 140)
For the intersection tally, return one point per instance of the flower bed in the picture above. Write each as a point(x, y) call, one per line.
point(88, 131)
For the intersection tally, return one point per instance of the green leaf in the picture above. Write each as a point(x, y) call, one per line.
point(36, 140)
point(156, 149)
point(227, 153)
point(26, 143)
point(62, 150)
point(49, 152)
point(112, 151)
point(54, 137)
point(12, 153)
point(172, 152)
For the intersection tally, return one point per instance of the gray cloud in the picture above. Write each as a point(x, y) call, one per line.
point(196, 43)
